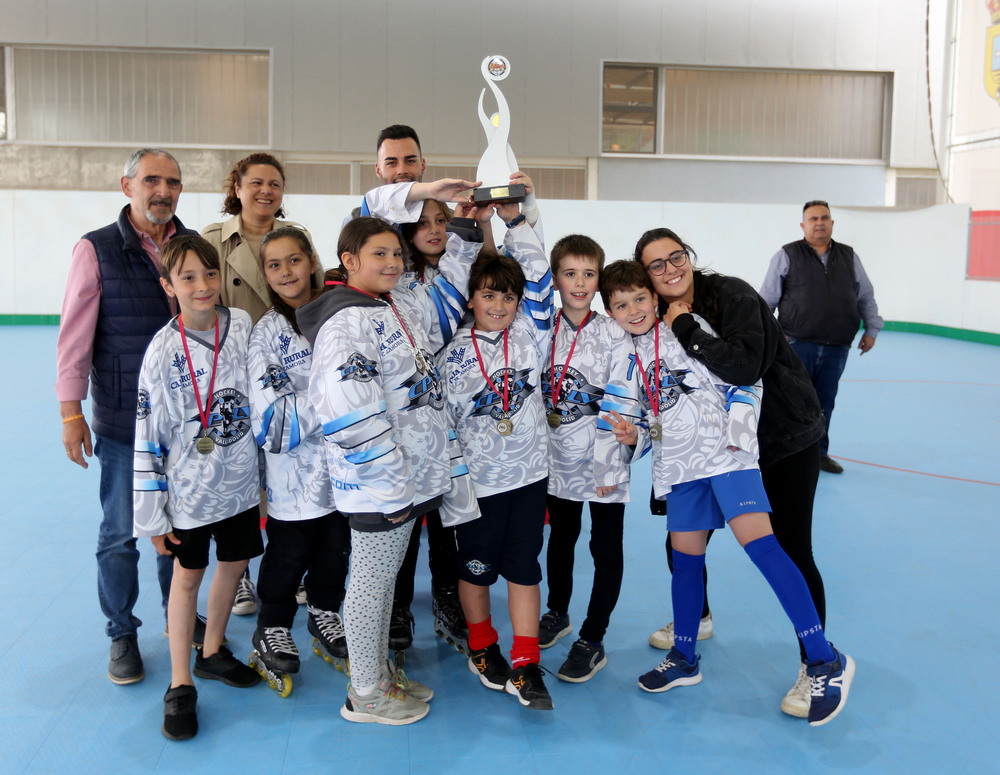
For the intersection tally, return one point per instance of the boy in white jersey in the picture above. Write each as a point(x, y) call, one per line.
point(492, 373)
point(578, 366)
point(196, 468)
point(703, 434)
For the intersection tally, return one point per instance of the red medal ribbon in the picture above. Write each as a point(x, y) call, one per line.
point(557, 386)
point(504, 397)
point(202, 413)
point(654, 401)
point(392, 306)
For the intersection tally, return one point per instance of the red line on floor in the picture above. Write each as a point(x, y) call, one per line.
point(918, 473)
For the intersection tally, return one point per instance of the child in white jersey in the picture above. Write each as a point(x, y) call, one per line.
point(492, 371)
point(703, 435)
point(305, 532)
point(578, 366)
point(380, 400)
point(196, 468)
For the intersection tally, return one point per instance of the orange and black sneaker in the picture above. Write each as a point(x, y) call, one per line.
point(526, 684)
point(490, 666)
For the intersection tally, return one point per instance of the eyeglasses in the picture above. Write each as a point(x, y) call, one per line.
point(659, 266)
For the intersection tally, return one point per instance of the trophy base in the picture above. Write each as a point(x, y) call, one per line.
point(513, 192)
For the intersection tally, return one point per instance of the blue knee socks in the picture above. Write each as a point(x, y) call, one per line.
point(788, 584)
point(687, 592)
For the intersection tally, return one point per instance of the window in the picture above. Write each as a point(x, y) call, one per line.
point(3, 93)
point(142, 97)
point(629, 109)
point(747, 113)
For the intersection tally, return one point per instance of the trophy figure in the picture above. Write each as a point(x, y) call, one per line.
point(498, 162)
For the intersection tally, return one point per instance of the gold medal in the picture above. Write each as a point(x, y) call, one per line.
point(505, 427)
point(205, 444)
point(655, 432)
point(554, 421)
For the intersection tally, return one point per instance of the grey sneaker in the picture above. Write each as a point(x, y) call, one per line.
point(413, 688)
point(388, 704)
point(125, 666)
point(584, 660)
point(552, 627)
point(245, 603)
point(663, 638)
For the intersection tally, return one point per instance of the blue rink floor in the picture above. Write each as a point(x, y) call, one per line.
point(906, 539)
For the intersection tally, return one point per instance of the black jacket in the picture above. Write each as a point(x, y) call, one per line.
point(752, 346)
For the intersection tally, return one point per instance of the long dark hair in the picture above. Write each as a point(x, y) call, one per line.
point(408, 230)
point(706, 287)
point(281, 306)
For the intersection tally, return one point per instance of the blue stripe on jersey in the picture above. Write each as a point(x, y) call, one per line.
point(457, 471)
point(371, 454)
point(442, 313)
point(148, 447)
point(364, 206)
point(294, 432)
point(447, 289)
point(541, 286)
point(265, 423)
point(614, 390)
point(351, 418)
point(151, 485)
point(452, 435)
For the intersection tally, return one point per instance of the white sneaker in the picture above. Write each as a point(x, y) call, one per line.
point(663, 638)
point(388, 704)
point(244, 603)
point(796, 702)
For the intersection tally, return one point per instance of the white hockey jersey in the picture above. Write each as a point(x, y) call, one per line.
point(379, 396)
point(502, 463)
point(174, 484)
point(285, 424)
point(572, 461)
point(708, 427)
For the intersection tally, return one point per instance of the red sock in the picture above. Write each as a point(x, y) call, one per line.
point(482, 634)
point(524, 651)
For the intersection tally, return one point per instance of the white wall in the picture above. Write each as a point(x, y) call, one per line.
point(916, 259)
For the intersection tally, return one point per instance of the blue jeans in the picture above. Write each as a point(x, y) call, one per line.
point(825, 363)
point(117, 554)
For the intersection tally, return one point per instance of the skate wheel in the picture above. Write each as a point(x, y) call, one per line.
point(272, 682)
point(344, 666)
point(284, 685)
point(320, 652)
point(252, 660)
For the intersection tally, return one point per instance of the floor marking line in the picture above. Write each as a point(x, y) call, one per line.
point(918, 473)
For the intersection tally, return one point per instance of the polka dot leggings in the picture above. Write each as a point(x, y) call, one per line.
point(375, 561)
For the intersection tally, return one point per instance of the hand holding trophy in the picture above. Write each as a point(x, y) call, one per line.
point(497, 163)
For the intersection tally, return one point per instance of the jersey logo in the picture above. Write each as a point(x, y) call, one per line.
point(671, 388)
point(379, 328)
point(229, 417)
point(424, 389)
point(274, 377)
point(456, 356)
point(283, 341)
point(359, 368)
point(477, 567)
point(577, 398)
point(179, 362)
point(487, 402)
point(142, 409)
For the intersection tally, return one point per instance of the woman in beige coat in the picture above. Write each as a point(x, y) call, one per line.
point(254, 192)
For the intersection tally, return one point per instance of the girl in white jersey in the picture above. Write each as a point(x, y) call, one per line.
point(380, 400)
point(305, 532)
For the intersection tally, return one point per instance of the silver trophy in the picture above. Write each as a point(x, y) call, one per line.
point(498, 162)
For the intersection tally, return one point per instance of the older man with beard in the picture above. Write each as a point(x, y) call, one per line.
point(114, 303)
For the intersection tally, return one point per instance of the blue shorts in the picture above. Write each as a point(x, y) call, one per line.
point(506, 540)
point(236, 538)
point(707, 504)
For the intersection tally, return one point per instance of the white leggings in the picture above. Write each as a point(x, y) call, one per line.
point(375, 561)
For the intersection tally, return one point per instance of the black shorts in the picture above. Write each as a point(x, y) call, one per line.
point(506, 540)
point(236, 538)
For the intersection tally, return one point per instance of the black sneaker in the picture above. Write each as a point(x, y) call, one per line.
point(585, 659)
point(490, 666)
point(125, 666)
point(223, 666)
point(551, 628)
point(400, 628)
point(526, 684)
point(180, 717)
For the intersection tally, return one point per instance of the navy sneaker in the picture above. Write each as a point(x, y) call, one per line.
point(584, 660)
point(829, 683)
point(673, 671)
point(223, 666)
point(552, 627)
point(180, 716)
point(125, 665)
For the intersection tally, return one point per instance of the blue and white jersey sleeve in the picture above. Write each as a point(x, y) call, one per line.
point(521, 243)
point(347, 384)
point(285, 424)
point(388, 202)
